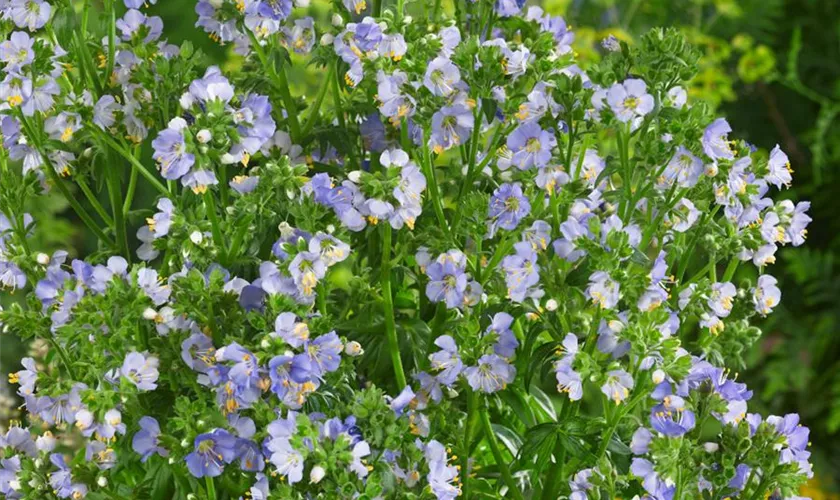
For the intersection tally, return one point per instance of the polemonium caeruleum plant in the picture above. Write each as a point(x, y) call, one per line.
point(463, 267)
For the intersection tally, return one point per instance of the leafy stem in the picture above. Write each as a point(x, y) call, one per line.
point(388, 300)
point(497, 454)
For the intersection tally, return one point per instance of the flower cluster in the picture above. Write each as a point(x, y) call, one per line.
point(464, 265)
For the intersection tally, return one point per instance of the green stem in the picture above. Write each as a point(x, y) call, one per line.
point(339, 113)
point(472, 398)
point(497, 454)
point(112, 36)
point(129, 196)
point(319, 99)
point(211, 487)
point(135, 163)
point(434, 328)
point(434, 192)
point(377, 8)
point(112, 179)
point(400, 8)
point(210, 204)
point(731, 268)
point(471, 164)
point(94, 202)
point(390, 326)
point(63, 355)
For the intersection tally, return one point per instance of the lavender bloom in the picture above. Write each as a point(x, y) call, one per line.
point(684, 170)
point(212, 87)
point(671, 421)
point(442, 76)
point(324, 353)
point(508, 206)
point(245, 372)
point(17, 51)
point(307, 269)
point(683, 216)
point(450, 125)
point(640, 442)
point(141, 370)
point(289, 329)
point(506, 342)
point(447, 360)
point(603, 290)
point(9, 468)
point(393, 103)
point(11, 276)
point(492, 374)
point(799, 220)
point(171, 154)
point(508, 8)
point(522, 272)
point(135, 22)
point(618, 385)
point(447, 279)
point(739, 481)
point(716, 144)
point(29, 14)
point(568, 380)
point(766, 295)
point(779, 169)
point(301, 37)
point(61, 480)
point(355, 6)
point(720, 300)
point(212, 451)
point(145, 441)
point(287, 460)
point(580, 484)
point(630, 100)
point(531, 146)
point(147, 280)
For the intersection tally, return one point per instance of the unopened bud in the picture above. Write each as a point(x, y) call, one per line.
point(196, 237)
point(658, 377)
point(327, 40)
point(102, 481)
point(204, 136)
point(42, 259)
point(353, 348)
point(337, 20)
point(355, 176)
point(177, 123)
point(317, 474)
point(150, 314)
point(710, 447)
point(551, 305)
point(302, 3)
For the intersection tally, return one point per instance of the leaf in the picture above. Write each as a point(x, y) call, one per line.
point(542, 401)
point(507, 436)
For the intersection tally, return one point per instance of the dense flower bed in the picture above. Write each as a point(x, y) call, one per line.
point(464, 266)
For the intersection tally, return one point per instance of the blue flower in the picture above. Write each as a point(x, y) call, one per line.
point(141, 369)
point(492, 374)
point(447, 279)
point(442, 77)
point(451, 126)
point(531, 146)
point(145, 441)
point(324, 353)
point(508, 206)
point(716, 142)
point(629, 100)
point(617, 386)
point(171, 154)
point(212, 451)
point(603, 290)
point(30, 14)
point(522, 273)
point(447, 360)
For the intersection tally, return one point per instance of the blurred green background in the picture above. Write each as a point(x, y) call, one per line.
point(772, 67)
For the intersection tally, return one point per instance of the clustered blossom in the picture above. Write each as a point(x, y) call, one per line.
point(474, 220)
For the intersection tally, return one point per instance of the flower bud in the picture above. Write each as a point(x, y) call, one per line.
point(228, 159)
point(102, 481)
point(150, 314)
point(658, 376)
point(88, 153)
point(177, 123)
point(42, 259)
point(317, 474)
point(711, 170)
point(217, 4)
point(353, 348)
point(330, 229)
point(337, 20)
point(327, 40)
point(265, 343)
point(355, 176)
point(408, 20)
point(186, 100)
point(302, 3)
point(551, 305)
point(196, 237)
point(710, 447)
point(204, 136)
